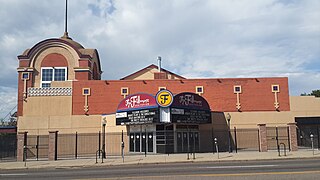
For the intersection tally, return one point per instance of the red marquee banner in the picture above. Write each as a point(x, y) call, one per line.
point(137, 101)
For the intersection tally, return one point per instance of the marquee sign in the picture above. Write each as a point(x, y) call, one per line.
point(137, 101)
point(190, 108)
point(190, 101)
point(142, 116)
point(190, 116)
point(182, 108)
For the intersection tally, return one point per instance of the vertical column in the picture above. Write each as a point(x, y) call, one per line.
point(263, 137)
point(293, 136)
point(53, 141)
point(22, 141)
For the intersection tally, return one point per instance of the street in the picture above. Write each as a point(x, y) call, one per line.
point(266, 169)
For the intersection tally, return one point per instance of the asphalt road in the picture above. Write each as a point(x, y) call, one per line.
point(271, 169)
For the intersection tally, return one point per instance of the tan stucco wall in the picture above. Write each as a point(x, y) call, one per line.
point(43, 106)
point(36, 125)
point(61, 83)
point(305, 105)
point(252, 119)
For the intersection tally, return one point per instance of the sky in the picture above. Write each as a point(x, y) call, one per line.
point(196, 39)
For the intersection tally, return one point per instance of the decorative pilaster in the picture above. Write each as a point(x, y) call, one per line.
point(53, 143)
point(237, 90)
point(263, 138)
point(276, 90)
point(86, 92)
point(21, 143)
point(293, 136)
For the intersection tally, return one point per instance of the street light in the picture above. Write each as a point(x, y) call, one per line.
point(104, 122)
point(229, 138)
point(122, 144)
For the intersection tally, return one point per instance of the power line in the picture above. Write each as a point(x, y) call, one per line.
point(9, 113)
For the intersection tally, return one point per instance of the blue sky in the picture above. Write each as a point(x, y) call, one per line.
point(208, 38)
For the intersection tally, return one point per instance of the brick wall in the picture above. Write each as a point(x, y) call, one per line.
point(256, 93)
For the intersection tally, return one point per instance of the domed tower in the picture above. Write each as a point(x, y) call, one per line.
point(55, 63)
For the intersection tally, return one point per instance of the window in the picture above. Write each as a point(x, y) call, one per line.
point(199, 89)
point(25, 75)
point(86, 91)
point(49, 74)
point(124, 91)
point(275, 88)
point(237, 89)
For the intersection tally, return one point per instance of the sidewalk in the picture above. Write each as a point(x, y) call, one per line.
point(159, 158)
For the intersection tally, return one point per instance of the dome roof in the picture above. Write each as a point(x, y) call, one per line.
point(74, 43)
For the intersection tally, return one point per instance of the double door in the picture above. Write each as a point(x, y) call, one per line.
point(187, 142)
point(141, 142)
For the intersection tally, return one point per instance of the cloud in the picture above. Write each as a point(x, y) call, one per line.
point(195, 38)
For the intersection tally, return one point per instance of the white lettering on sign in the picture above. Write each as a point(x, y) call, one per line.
point(188, 100)
point(136, 101)
point(121, 115)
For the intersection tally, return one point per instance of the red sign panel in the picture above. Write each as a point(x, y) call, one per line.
point(137, 101)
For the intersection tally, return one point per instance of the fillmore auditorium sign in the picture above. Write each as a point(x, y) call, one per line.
point(137, 109)
point(190, 108)
point(144, 108)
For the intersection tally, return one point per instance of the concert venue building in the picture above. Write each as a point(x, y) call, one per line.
point(153, 110)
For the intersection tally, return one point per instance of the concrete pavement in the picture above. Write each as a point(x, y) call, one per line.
point(159, 158)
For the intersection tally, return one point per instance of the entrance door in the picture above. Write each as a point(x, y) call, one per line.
point(137, 142)
point(131, 142)
point(185, 142)
point(179, 141)
point(144, 140)
point(196, 141)
point(150, 142)
point(191, 142)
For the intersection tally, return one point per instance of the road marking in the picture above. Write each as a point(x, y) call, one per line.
point(209, 175)
point(233, 167)
point(258, 173)
point(13, 174)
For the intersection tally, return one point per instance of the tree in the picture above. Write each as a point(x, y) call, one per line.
point(315, 93)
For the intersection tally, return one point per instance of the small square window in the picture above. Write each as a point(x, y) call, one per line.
point(124, 91)
point(25, 75)
point(86, 91)
point(199, 89)
point(275, 88)
point(237, 89)
point(162, 88)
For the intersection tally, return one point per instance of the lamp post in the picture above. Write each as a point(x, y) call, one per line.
point(229, 138)
point(122, 144)
point(104, 122)
point(311, 137)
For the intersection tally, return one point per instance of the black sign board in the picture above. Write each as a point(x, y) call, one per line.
point(190, 116)
point(143, 116)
